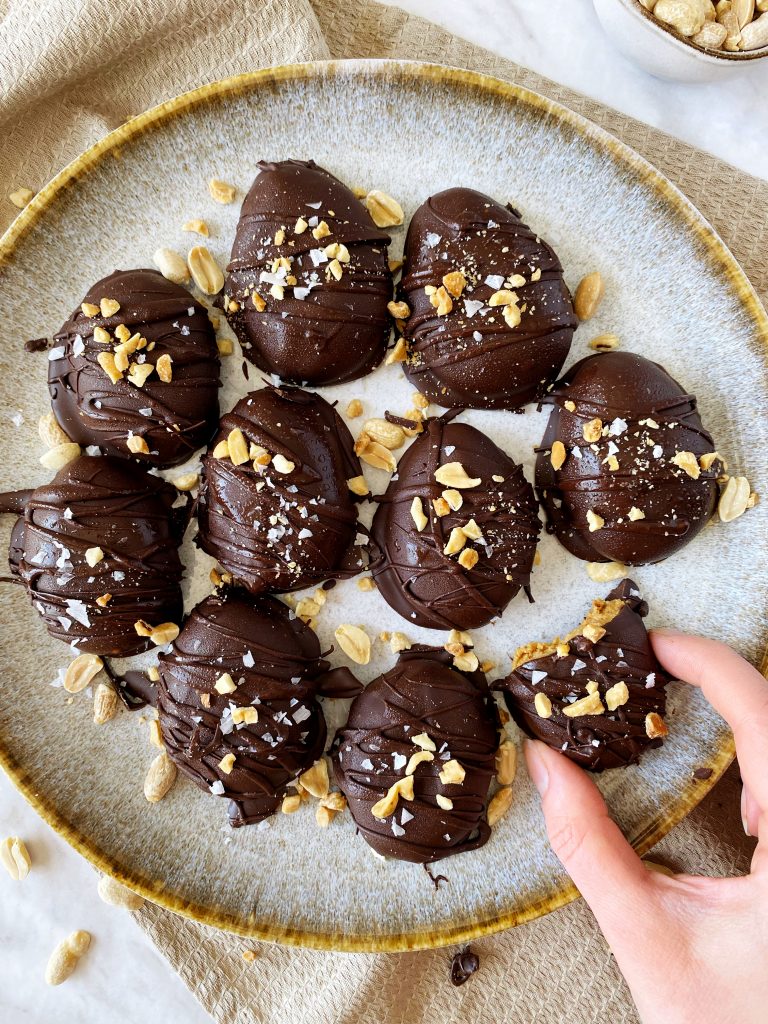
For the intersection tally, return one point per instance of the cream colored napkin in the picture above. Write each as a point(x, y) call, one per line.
point(554, 970)
point(73, 70)
point(69, 72)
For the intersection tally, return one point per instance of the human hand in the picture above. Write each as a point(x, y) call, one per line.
point(693, 950)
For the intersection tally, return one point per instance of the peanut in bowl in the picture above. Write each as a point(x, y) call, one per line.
point(688, 40)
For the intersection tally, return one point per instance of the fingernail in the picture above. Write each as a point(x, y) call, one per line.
point(744, 824)
point(537, 768)
point(664, 631)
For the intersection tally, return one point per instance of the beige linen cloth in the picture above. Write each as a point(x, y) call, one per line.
point(70, 70)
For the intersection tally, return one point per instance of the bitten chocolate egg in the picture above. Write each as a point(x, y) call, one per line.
point(308, 283)
point(416, 758)
point(599, 694)
point(96, 550)
point(625, 470)
point(491, 318)
point(275, 506)
point(454, 536)
point(135, 370)
point(236, 700)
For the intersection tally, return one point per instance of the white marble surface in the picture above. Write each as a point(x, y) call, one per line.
point(563, 40)
point(122, 979)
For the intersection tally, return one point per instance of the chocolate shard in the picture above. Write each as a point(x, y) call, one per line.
point(631, 485)
point(308, 283)
point(425, 566)
point(236, 701)
point(97, 551)
point(158, 324)
point(274, 507)
point(491, 318)
point(446, 719)
point(339, 683)
point(590, 695)
point(135, 689)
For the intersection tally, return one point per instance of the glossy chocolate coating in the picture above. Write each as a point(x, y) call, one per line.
point(471, 358)
point(421, 694)
point(323, 330)
point(624, 654)
point(274, 658)
point(176, 417)
point(108, 503)
point(624, 391)
point(282, 531)
point(412, 573)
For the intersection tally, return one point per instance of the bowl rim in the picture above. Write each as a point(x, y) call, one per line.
point(630, 162)
point(685, 44)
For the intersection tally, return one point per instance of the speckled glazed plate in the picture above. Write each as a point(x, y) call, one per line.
point(674, 293)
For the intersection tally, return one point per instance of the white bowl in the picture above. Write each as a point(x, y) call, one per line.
point(657, 48)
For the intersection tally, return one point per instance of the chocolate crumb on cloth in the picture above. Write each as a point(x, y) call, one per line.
point(454, 537)
point(416, 758)
point(308, 282)
point(36, 345)
point(626, 472)
point(135, 370)
point(491, 319)
point(599, 694)
point(236, 701)
point(275, 506)
point(463, 965)
point(96, 549)
point(134, 688)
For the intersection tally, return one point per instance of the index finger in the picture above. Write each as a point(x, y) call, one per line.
point(733, 687)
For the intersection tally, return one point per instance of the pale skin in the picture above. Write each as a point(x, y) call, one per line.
point(693, 950)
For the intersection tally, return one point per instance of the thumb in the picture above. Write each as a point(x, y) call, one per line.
point(604, 867)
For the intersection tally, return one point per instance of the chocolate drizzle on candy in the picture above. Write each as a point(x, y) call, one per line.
point(454, 537)
point(308, 283)
point(96, 550)
point(598, 695)
point(416, 758)
point(135, 370)
point(491, 318)
point(274, 506)
point(236, 701)
point(625, 470)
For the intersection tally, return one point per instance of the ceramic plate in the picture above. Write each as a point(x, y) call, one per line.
point(673, 293)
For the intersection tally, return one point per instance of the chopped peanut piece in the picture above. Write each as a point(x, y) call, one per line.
point(543, 705)
point(589, 705)
point(452, 773)
point(655, 726)
point(617, 695)
point(557, 455)
point(387, 805)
